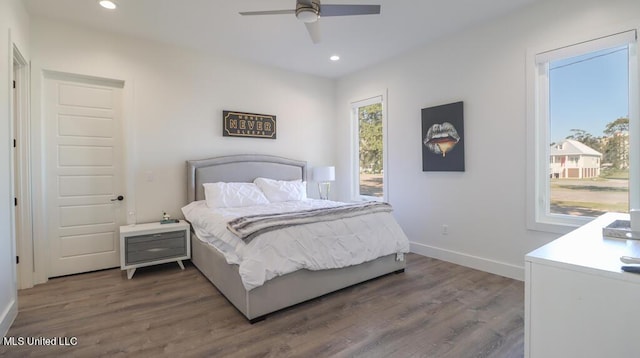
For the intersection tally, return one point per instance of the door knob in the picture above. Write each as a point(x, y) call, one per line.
point(119, 198)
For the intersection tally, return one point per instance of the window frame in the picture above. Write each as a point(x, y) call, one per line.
point(355, 149)
point(538, 150)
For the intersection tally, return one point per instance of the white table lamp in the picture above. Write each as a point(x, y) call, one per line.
point(323, 176)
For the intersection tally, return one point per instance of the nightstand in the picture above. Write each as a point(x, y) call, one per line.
point(153, 243)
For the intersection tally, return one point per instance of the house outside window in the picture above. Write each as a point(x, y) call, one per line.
point(574, 160)
point(583, 116)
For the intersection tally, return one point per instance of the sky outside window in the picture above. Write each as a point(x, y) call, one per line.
point(589, 91)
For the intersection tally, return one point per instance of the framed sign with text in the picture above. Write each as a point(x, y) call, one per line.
point(238, 124)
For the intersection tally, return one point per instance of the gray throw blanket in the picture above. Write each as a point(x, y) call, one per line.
point(247, 227)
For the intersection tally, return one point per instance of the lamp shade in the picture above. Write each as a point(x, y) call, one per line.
point(324, 174)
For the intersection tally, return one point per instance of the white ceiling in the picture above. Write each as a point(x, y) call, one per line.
point(214, 26)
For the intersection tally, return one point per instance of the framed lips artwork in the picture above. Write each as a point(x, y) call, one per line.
point(443, 138)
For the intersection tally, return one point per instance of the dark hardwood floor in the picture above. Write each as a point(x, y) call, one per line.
point(433, 309)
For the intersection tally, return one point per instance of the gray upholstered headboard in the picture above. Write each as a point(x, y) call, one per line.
point(240, 168)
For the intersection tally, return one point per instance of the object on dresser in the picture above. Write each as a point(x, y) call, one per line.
point(630, 259)
point(166, 219)
point(632, 264)
point(631, 268)
point(620, 229)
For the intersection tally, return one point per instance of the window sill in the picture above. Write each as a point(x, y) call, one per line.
point(558, 225)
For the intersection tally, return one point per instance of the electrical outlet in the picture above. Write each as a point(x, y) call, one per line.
point(445, 229)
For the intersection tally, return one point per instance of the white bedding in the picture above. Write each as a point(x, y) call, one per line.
point(317, 246)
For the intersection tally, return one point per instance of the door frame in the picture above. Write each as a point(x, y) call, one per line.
point(41, 242)
point(23, 218)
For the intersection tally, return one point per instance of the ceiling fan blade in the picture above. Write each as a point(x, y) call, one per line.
point(347, 10)
point(313, 28)
point(269, 12)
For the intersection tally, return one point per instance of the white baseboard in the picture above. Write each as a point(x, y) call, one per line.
point(475, 262)
point(8, 316)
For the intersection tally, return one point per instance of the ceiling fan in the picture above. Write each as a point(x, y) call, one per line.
point(309, 11)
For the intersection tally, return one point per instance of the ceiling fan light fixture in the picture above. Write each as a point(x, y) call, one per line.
point(307, 16)
point(308, 13)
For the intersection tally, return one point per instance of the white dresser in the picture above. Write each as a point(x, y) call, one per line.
point(578, 303)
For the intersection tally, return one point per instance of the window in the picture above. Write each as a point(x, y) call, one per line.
point(369, 152)
point(584, 109)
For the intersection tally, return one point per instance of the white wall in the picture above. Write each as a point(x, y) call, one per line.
point(14, 29)
point(484, 207)
point(174, 100)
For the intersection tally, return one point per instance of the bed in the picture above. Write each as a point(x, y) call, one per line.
point(285, 290)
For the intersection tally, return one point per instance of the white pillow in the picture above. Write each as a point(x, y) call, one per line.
point(232, 195)
point(281, 190)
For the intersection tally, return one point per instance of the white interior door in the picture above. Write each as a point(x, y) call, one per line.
point(84, 173)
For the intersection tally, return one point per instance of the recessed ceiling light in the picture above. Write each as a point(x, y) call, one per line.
point(334, 58)
point(107, 4)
